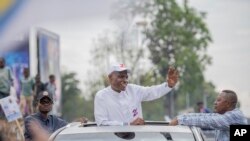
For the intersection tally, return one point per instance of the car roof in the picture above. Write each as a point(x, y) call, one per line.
point(92, 128)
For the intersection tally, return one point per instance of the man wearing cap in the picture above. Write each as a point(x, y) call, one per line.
point(120, 103)
point(49, 123)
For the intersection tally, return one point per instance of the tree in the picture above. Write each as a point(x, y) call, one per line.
point(178, 35)
point(116, 47)
point(74, 105)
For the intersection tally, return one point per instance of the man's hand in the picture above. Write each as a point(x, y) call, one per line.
point(174, 122)
point(172, 77)
point(138, 121)
point(81, 119)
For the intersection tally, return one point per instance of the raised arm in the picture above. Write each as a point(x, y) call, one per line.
point(154, 92)
point(209, 120)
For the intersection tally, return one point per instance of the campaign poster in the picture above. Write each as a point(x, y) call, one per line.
point(10, 108)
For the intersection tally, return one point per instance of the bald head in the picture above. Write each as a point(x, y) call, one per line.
point(231, 97)
point(225, 101)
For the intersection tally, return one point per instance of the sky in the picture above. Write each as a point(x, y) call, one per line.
point(80, 22)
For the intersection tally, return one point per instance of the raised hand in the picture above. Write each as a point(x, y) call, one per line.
point(172, 77)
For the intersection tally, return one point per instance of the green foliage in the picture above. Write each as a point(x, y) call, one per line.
point(178, 35)
point(115, 47)
point(154, 110)
point(73, 104)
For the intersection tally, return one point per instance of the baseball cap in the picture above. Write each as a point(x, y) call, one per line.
point(118, 68)
point(44, 94)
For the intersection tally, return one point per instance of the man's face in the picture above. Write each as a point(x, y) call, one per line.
point(118, 80)
point(45, 105)
point(221, 105)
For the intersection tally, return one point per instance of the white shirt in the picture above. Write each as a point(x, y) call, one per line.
point(51, 88)
point(113, 108)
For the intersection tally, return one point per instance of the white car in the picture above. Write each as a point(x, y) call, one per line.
point(151, 131)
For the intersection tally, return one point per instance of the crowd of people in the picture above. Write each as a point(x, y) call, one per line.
point(118, 104)
point(29, 87)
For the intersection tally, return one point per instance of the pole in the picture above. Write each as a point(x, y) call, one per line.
point(187, 101)
point(138, 67)
point(205, 99)
point(20, 129)
point(139, 24)
point(172, 111)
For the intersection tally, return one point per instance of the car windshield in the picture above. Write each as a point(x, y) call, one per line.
point(129, 136)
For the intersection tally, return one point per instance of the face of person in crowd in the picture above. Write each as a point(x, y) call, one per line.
point(45, 105)
point(52, 79)
point(200, 106)
point(26, 72)
point(118, 80)
point(37, 79)
point(221, 104)
point(2, 63)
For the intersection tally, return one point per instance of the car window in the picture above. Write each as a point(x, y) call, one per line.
point(128, 136)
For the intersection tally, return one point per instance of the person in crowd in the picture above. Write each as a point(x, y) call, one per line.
point(26, 92)
point(6, 81)
point(120, 103)
point(49, 122)
point(51, 85)
point(37, 88)
point(201, 108)
point(51, 88)
point(42, 121)
point(226, 114)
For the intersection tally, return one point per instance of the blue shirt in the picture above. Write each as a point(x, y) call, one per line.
point(219, 122)
point(51, 124)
